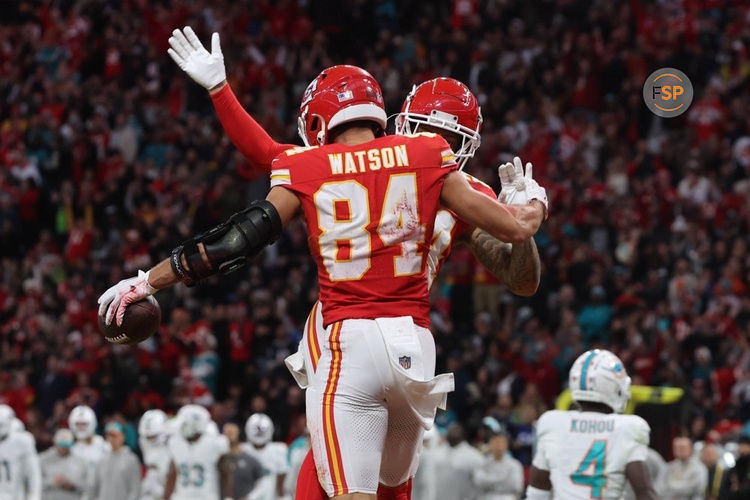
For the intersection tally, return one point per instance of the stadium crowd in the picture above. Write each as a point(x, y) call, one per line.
point(109, 156)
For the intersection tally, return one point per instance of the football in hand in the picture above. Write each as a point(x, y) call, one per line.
point(140, 322)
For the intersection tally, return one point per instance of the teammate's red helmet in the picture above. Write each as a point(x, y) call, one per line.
point(338, 95)
point(447, 104)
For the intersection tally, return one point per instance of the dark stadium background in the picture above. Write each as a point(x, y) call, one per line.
point(110, 155)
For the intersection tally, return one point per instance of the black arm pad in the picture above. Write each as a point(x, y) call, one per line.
point(229, 244)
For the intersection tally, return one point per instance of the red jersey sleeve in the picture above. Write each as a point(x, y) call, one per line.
point(282, 167)
point(461, 227)
point(258, 148)
point(447, 158)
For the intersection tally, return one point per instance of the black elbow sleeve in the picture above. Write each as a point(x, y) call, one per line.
point(228, 245)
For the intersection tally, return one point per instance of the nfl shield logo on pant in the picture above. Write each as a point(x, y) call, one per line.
point(405, 362)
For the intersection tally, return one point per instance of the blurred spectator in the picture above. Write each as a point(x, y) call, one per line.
point(500, 477)
point(247, 470)
point(736, 484)
point(118, 474)
point(710, 457)
point(685, 477)
point(63, 474)
point(454, 465)
point(595, 316)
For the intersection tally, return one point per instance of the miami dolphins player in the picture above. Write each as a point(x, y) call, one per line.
point(590, 452)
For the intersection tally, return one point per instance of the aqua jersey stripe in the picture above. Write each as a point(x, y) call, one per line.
point(585, 368)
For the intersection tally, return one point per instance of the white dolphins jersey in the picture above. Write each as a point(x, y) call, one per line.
point(92, 452)
point(156, 459)
point(19, 466)
point(274, 458)
point(197, 466)
point(586, 452)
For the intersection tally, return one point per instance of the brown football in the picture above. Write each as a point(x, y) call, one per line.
point(141, 321)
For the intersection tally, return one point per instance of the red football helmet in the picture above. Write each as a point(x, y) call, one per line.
point(338, 95)
point(448, 104)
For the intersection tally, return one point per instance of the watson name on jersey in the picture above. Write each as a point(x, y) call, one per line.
point(370, 213)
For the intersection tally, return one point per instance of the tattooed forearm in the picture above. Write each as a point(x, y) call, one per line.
point(516, 265)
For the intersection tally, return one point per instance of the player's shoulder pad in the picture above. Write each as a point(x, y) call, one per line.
point(222, 441)
point(422, 134)
point(480, 186)
point(297, 150)
point(28, 438)
point(435, 143)
point(19, 439)
point(548, 420)
point(637, 428)
point(285, 156)
point(279, 447)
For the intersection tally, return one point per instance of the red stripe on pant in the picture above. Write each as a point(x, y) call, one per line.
point(333, 450)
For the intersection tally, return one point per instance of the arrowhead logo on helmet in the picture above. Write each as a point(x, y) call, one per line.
point(448, 105)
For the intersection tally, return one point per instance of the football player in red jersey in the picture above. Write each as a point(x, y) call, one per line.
point(369, 205)
point(442, 105)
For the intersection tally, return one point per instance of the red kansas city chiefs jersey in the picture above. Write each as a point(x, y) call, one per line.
point(448, 229)
point(370, 211)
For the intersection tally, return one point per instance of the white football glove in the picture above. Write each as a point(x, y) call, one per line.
point(117, 298)
point(519, 187)
point(536, 192)
point(512, 182)
point(204, 67)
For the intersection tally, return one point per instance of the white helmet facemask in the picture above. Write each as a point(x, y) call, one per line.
point(193, 421)
point(259, 429)
point(82, 421)
point(409, 122)
point(6, 420)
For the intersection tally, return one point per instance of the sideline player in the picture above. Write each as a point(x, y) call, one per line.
point(89, 446)
point(199, 465)
point(591, 452)
point(20, 474)
point(152, 439)
point(370, 205)
point(441, 105)
point(271, 455)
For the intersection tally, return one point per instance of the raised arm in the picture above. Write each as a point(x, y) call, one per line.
point(207, 69)
point(511, 224)
point(517, 265)
point(258, 148)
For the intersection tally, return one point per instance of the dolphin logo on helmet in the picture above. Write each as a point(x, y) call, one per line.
point(598, 376)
